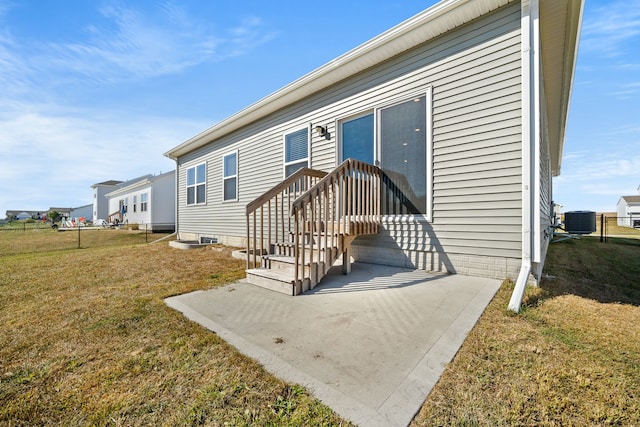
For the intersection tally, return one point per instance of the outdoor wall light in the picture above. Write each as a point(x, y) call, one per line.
point(320, 130)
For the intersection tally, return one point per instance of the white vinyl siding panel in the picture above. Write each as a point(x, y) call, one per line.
point(474, 74)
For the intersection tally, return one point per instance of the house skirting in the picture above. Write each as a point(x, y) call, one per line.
point(432, 261)
point(436, 262)
point(238, 242)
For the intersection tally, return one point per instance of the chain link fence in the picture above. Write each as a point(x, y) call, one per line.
point(58, 237)
point(617, 227)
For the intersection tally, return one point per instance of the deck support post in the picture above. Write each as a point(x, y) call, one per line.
point(346, 260)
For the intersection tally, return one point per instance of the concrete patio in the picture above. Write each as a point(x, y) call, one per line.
point(371, 345)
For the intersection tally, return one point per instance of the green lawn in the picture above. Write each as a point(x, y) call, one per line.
point(88, 340)
point(572, 357)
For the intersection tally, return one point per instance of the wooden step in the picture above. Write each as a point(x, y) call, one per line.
point(273, 280)
point(286, 266)
point(283, 264)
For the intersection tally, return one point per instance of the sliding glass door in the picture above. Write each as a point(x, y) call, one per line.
point(395, 138)
point(403, 152)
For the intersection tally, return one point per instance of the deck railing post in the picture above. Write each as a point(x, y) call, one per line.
point(255, 243)
point(325, 219)
point(248, 244)
point(303, 245)
point(261, 231)
point(269, 226)
point(296, 250)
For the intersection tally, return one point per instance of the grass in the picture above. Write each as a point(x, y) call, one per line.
point(571, 358)
point(88, 340)
point(612, 228)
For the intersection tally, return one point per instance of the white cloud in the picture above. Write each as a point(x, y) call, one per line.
point(598, 166)
point(51, 153)
point(57, 158)
point(609, 27)
point(126, 45)
point(173, 45)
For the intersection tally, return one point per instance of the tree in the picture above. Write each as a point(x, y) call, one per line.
point(54, 216)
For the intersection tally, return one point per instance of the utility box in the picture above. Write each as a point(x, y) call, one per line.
point(580, 222)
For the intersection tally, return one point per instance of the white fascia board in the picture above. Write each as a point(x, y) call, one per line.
point(430, 23)
point(573, 27)
point(140, 183)
point(130, 188)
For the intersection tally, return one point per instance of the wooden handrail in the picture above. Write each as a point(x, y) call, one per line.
point(117, 214)
point(278, 188)
point(314, 216)
point(338, 171)
point(344, 203)
point(276, 201)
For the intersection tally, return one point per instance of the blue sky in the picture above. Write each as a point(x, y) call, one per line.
point(98, 90)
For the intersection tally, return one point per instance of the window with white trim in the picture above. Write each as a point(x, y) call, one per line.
point(197, 184)
point(135, 203)
point(296, 151)
point(143, 202)
point(230, 177)
point(404, 131)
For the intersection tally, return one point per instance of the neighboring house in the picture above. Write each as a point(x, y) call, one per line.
point(85, 212)
point(462, 109)
point(628, 211)
point(151, 201)
point(19, 214)
point(64, 212)
point(100, 190)
point(100, 206)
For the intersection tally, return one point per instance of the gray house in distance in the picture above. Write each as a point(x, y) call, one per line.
point(100, 203)
point(430, 146)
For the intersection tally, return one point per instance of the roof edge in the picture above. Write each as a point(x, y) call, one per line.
point(574, 29)
point(358, 58)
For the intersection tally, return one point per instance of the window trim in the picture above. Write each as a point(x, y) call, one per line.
point(428, 94)
point(195, 185)
point(225, 178)
point(144, 203)
point(284, 149)
point(340, 121)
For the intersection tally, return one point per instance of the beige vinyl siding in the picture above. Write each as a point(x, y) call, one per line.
point(476, 153)
point(474, 73)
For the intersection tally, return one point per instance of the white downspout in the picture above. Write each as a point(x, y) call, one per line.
point(530, 131)
point(176, 207)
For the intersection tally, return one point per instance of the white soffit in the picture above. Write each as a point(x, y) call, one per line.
point(560, 22)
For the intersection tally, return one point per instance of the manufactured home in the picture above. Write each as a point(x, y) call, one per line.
point(148, 201)
point(628, 211)
point(431, 146)
point(100, 204)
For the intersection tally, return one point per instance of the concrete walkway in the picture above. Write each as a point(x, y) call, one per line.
point(371, 345)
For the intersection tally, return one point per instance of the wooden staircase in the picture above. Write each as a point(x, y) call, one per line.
point(299, 229)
